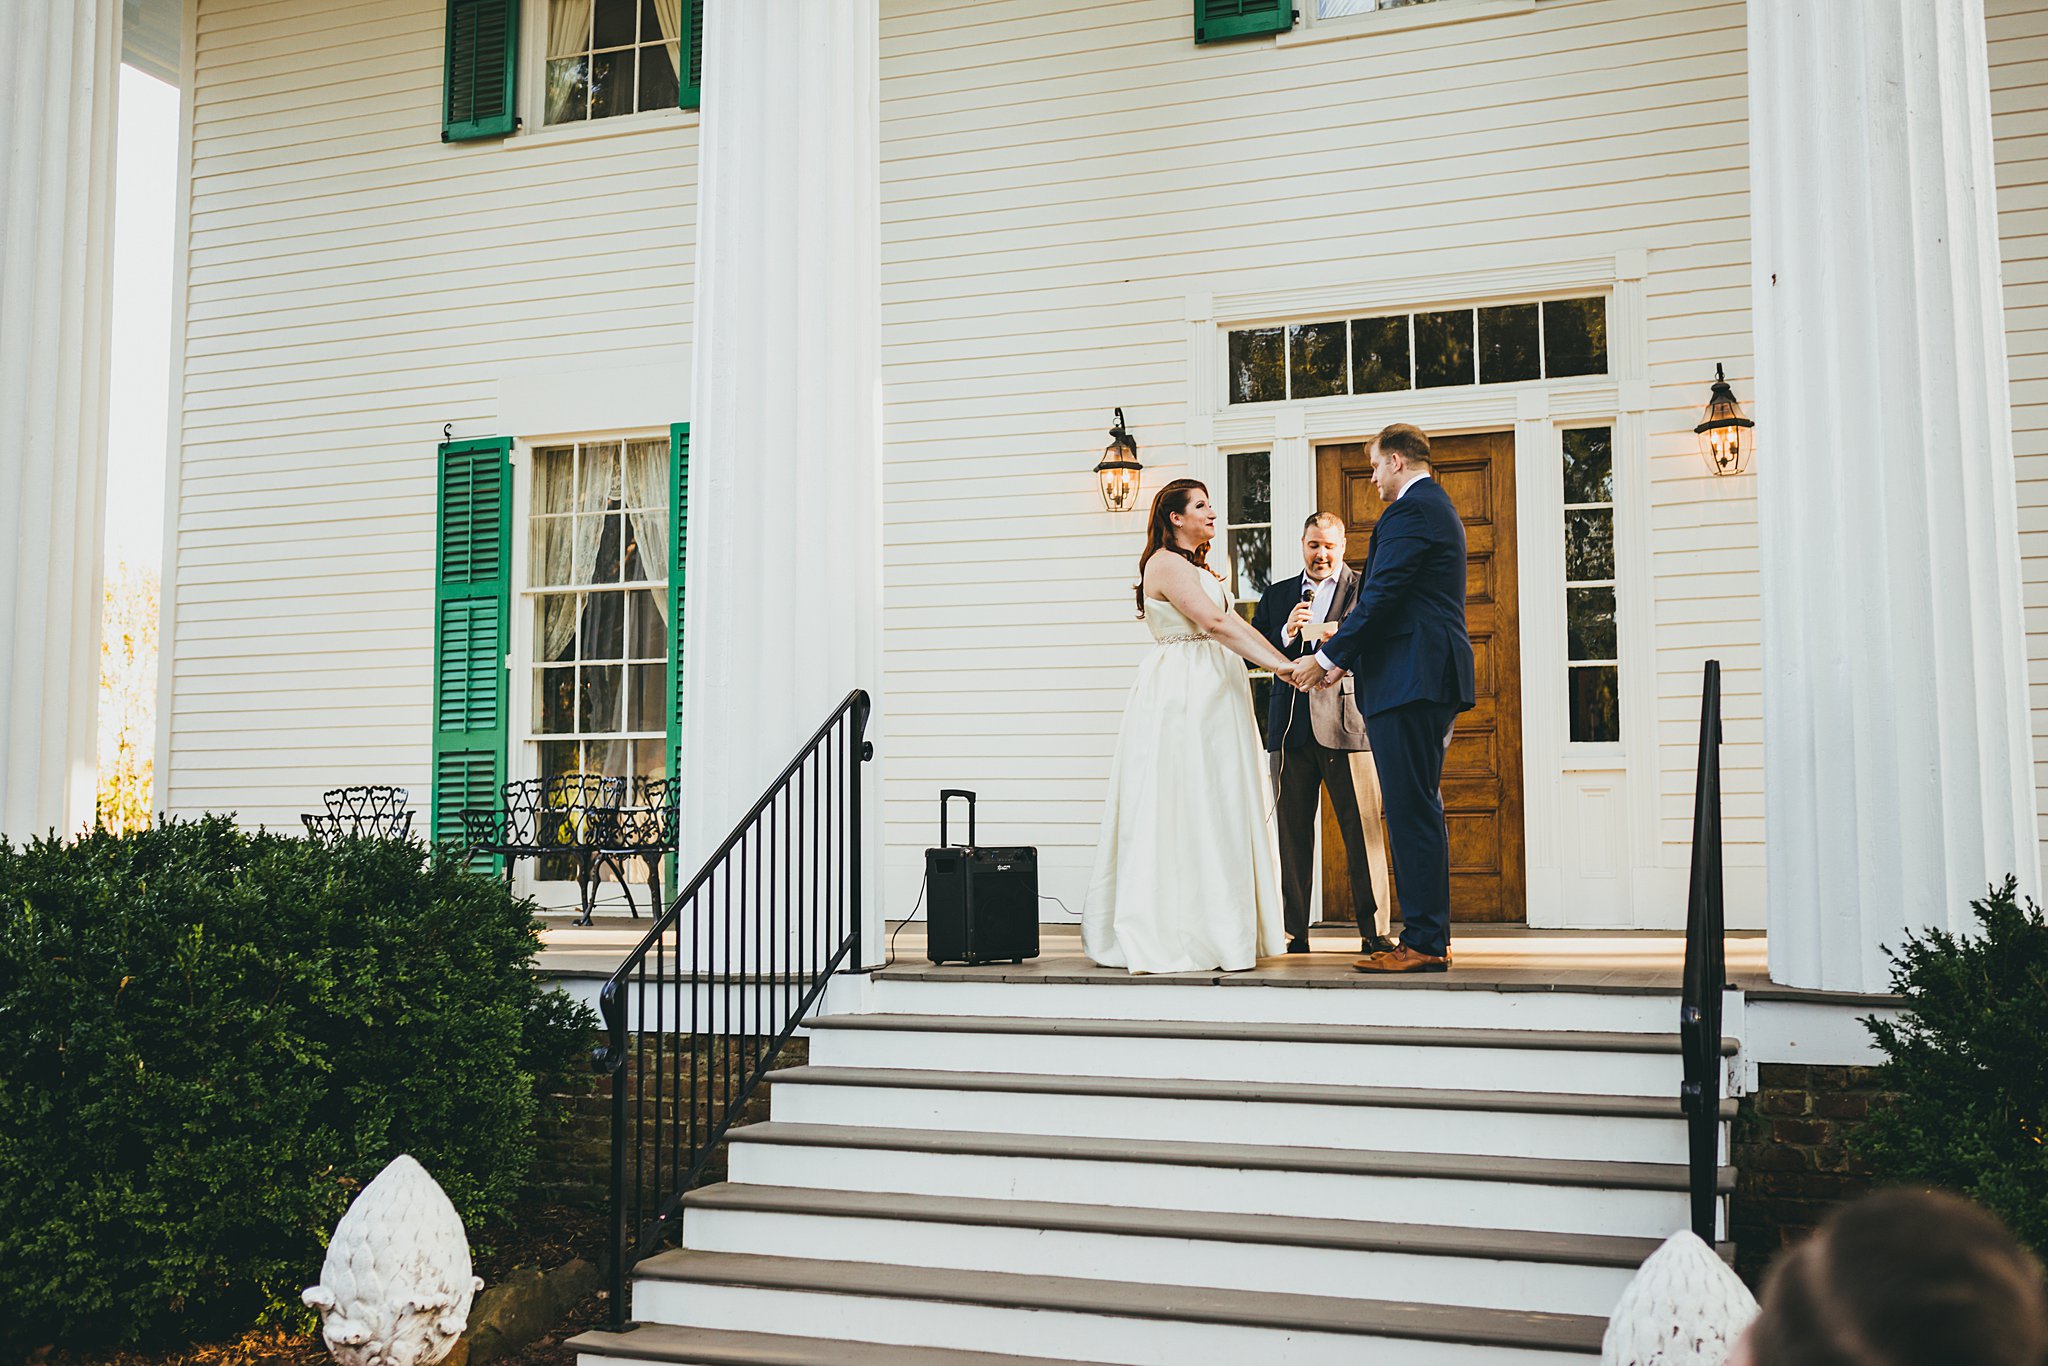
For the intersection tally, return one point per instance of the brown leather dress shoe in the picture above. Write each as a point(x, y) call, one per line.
point(1403, 959)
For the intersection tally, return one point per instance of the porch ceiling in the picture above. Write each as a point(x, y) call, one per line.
point(150, 37)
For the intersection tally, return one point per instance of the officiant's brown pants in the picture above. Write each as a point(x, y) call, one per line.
point(1299, 775)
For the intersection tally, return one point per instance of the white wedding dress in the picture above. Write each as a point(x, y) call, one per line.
point(1187, 873)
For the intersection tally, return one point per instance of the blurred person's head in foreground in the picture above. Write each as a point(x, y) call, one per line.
point(1902, 1278)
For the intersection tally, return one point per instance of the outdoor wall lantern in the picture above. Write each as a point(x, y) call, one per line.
point(1118, 471)
point(1727, 438)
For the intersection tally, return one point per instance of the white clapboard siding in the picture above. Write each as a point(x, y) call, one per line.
point(1059, 178)
point(352, 283)
point(2018, 33)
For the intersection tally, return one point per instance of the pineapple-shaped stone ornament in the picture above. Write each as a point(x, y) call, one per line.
point(396, 1287)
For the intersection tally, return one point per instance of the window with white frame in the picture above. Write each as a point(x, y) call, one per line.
point(612, 57)
point(1439, 348)
point(1592, 639)
point(1339, 9)
point(598, 573)
point(1248, 527)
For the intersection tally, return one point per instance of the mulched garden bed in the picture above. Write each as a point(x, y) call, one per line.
point(538, 1236)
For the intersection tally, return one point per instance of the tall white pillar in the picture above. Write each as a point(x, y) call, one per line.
point(784, 604)
point(62, 65)
point(1897, 773)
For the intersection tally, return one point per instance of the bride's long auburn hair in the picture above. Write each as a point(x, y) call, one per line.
point(1159, 532)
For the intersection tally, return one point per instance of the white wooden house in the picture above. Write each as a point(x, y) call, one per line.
point(1079, 207)
point(1083, 207)
point(588, 382)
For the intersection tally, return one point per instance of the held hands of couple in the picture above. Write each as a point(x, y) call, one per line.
point(1306, 674)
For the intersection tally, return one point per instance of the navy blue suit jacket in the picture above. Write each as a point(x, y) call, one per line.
point(1405, 637)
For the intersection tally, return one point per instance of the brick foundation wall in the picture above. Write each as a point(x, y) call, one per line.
point(1792, 1163)
point(574, 1161)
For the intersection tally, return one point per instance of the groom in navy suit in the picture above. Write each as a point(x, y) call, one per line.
point(1405, 640)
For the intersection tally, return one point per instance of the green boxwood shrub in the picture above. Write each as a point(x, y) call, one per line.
point(211, 1039)
point(1967, 1066)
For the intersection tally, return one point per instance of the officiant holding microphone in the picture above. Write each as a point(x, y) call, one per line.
point(1316, 741)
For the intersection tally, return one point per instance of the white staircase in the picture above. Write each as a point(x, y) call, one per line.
point(1148, 1172)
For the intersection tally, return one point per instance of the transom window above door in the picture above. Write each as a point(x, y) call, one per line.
point(612, 57)
point(598, 569)
point(1438, 348)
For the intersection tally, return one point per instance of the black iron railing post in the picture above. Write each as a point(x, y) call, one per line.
point(611, 1059)
point(1699, 1011)
point(862, 752)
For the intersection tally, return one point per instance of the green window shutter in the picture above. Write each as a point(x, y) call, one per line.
point(472, 628)
point(692, 93)
point(678, 543)
point(1219, 20)
point(483, 50)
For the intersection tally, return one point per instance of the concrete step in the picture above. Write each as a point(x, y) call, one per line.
point(672, 1346)
point(1436, 1001)
point(1583, 1062)
point(1490, 1268)
point(1621, 1128)
point(1069, 1318)
point(1629, 1199)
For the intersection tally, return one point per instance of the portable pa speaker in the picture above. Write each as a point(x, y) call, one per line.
point(982, 904)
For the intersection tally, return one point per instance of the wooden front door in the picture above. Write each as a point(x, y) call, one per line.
point(1483, 771)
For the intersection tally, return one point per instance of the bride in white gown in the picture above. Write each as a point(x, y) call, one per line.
point(1187, 873)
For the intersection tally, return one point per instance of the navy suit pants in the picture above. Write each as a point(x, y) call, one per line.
point(1408, 744)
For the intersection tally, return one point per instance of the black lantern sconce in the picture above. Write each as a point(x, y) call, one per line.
point(1727, 438)
point(1118, 472)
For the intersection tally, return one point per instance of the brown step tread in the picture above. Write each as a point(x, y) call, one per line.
point(1254, 1092)
point(1510, 1245)
point(1132, 1300)
point(1588, 1040)
point(1540, 1171)
point(722, 1347)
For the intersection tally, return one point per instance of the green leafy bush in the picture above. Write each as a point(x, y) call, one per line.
point(210, 1040)
point(1967, 1066)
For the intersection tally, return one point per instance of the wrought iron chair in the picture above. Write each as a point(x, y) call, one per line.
point(571, 814)
point(370, 811)
point(645, 830)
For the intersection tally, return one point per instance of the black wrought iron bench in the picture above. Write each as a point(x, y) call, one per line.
point(646, 830)
point(575, 815)
point(366, 811)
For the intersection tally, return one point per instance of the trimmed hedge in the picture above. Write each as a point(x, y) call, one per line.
point(1967, 1066)
point(210, 1040)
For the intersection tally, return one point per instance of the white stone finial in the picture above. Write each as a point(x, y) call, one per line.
point(1685, 1307)
point(396, 1286)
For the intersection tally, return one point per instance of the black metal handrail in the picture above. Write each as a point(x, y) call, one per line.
point(1699, 1008)
point(738, 958)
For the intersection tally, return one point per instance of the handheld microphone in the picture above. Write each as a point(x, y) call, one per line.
point(1308, 589)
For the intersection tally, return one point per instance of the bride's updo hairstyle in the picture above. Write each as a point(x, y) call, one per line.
point(1159, 531)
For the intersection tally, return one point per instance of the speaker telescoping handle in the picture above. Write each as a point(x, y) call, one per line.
point(946, 795)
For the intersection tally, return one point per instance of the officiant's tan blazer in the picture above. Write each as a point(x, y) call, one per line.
point(1334, 713)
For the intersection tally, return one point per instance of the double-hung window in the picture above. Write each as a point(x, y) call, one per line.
point(612, 57)
point(599, 572)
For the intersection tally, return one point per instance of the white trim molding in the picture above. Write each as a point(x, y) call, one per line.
point(1516, 280)
point(1589, 813)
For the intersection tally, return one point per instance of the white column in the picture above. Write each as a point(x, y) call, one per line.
point(1897, 778)
point(62, 64)
point(785, 552)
